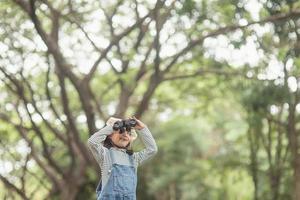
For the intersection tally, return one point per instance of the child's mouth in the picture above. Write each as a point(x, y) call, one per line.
point(124, 139)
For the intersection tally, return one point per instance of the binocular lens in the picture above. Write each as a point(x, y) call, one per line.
point(124, 125)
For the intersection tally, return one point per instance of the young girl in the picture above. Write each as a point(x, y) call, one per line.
point(112, 150)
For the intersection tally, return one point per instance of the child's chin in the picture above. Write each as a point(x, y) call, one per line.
point(124, 144)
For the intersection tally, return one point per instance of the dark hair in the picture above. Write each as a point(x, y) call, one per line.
point(108, 144)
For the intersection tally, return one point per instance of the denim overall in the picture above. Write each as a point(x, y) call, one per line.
point(121, 184)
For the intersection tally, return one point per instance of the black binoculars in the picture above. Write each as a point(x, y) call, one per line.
point(124, 125)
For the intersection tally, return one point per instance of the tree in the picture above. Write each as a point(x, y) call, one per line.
point(141, 54)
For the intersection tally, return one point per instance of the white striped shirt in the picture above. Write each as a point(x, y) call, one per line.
point(101, 153)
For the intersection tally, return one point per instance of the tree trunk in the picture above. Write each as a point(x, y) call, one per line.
point(293, 141)
point(297, 178)
point(253, 158)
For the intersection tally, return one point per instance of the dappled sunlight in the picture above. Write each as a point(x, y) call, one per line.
point(196, 99)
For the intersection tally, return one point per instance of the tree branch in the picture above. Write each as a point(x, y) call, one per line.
point(12, 187)
point(115, 41)
point(21, 93)
point(227, 29)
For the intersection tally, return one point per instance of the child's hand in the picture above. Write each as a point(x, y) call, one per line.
point(140, 125)
point(112, 120)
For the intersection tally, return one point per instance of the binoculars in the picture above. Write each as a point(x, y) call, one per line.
point(124, 125)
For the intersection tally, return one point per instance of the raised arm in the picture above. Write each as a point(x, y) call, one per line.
point(150, 146)
point(95, 142)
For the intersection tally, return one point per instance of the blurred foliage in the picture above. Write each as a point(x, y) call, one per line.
point(211, 129)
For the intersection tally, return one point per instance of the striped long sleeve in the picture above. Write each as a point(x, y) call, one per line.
point(95, 143)
point(150, 146)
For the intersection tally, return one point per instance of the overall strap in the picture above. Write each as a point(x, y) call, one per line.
point(131, 159)
point(112, 156)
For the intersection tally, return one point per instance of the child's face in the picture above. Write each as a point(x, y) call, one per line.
point(121, 140)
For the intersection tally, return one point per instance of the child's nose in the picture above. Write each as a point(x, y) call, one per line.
point(128, 133)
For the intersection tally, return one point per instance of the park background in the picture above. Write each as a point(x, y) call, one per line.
point(216, 81)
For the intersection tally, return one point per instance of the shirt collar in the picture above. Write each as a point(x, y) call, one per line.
point(119, 149)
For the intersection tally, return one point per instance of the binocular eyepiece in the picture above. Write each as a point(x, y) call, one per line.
point(124, 125)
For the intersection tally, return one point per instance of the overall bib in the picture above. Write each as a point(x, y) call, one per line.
point(121, 184)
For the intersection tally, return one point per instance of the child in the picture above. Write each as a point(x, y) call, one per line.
point(111, 147)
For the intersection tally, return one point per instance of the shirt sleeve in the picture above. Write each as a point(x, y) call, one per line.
point(150, 146)
point(95, 143)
